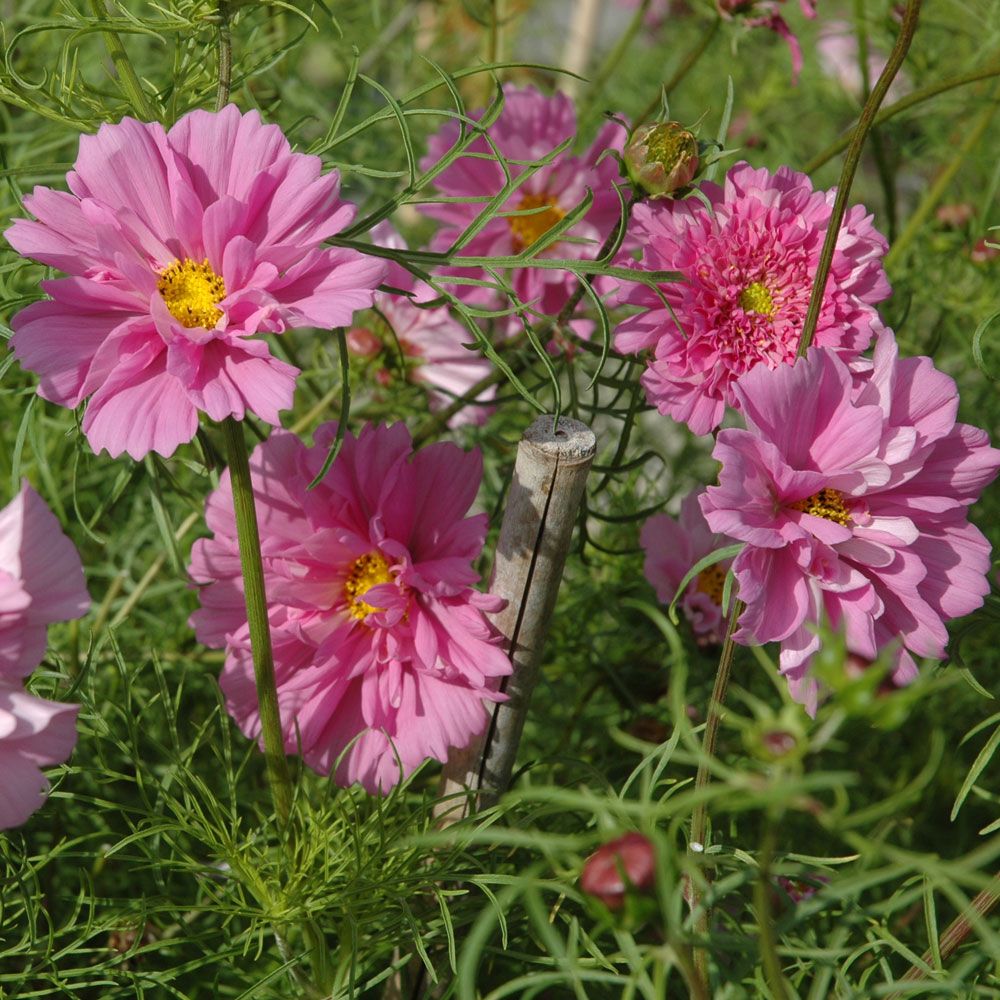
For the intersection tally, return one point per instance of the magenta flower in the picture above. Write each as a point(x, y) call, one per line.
point(382, 653)
point(628, 862)
point(529, 128)
point(431, 339)
point(41, 581)
point(747, 266)
point(34, 733)
point(851, 490)
point(182, 247)
point(672, 548)
point(765, 14)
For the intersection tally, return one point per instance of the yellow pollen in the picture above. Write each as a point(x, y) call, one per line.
point(191, 291)
point(526, 229)
point(710, 581)
point(828, 504)
point(756, 298)
point(366, 572)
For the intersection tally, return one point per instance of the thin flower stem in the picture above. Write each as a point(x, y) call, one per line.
point(616, 55)
point(278, 774)
point(225, 57)
point(682, 71)
point(851, 161)
point(127, 77)
point(765, 925)
point(941, 185)
point(904, 104)
point(699, 819)
point(957, 931)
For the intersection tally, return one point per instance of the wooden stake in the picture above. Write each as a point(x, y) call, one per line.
point(550, 474)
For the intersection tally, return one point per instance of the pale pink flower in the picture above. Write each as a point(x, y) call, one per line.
point(747, 265)
point(837, 48)
point(530, 127)
point(41, 581)
point(382, 653)
point(182, 247)
point(672, 547)
point(851, 490)
point(765, 14)
point(34, 733)
point(430, 338)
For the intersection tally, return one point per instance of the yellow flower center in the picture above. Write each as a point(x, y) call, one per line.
point(368, 571)
point(756, 298)
point(526, 229)
point(710, 581)
point(828, 504)
point(191, 291)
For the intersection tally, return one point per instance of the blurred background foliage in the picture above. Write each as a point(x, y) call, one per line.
point(153, 871)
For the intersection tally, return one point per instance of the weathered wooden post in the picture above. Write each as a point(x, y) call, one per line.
point(550, 474)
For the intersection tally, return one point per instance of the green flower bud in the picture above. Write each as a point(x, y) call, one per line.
point(661, 158)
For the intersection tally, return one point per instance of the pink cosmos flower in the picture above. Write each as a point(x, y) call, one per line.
point(382, 653)
point(747, 266)
point(34, 733)
point(41, 581)
point(672, 548)
point(851, 490)
point(430, 337)
point(529, 128)
point(182, 247)
point(764, 14)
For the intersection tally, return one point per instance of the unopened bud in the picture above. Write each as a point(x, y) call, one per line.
point(661, 157)
point(363, 342)
point(628, 862)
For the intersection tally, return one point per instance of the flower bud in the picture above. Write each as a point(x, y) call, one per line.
point(363, 342)
point(611, 870)
point(661, 157)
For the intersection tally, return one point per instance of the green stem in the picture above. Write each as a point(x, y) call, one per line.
point(225, 57)
point(851, 161)
point(765, 926)
point(682, 71)
point(941, 185)
point(616, 55)
point(127, 78)
point(278, 774)
point(904, 104)
point(957, 931)
point(699, 819)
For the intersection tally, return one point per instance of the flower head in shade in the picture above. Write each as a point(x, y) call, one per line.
point(182, 246)
point(41, 581)
point(430, 338)
point(383, 656)
point(851, 489)
point(747, 267)
point(766, 14)
point(34, 733)
point(529, 129)
point(672, 547)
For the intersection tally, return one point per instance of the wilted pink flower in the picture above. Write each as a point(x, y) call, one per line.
point(182, 246)
point(41, 581)
point(530, 127)
point(672, 548)
point(799, 890)
point(747, 265)
point(615, 867)
point(764, 14)
point(34, 733)
point(851, 490)
point(382, 654)
point(430, 338)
